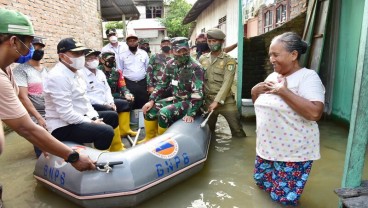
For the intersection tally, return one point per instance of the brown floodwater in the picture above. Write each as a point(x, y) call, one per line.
point(225, 182)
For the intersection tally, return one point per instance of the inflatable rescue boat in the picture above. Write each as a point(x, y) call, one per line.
point(127, 178)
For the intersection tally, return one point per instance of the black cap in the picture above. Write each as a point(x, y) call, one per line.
point(89, 52)
point(69, 44)
point(110, 31)
point(38, 40)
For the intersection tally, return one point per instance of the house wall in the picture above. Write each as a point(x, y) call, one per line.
point(252, 27)
point(209, 18)
point(57, 19)
point(347, 55)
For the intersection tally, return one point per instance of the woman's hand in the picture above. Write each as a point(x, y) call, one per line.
point(276, 87)
point(147, 106)
point(188, 119)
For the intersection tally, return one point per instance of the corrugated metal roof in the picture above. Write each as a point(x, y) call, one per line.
point(112, 10)
point(196, 10)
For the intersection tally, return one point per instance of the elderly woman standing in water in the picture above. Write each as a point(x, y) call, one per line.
point(287, 104)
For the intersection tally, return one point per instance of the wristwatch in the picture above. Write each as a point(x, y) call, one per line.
point(73, 157)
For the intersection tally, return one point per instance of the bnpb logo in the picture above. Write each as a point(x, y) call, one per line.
point(166, 149)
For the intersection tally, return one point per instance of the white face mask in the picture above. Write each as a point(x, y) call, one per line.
point(78, 63)
point(92, 64)
point(113, 39)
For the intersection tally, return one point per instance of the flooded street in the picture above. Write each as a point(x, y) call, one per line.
point(226, 180)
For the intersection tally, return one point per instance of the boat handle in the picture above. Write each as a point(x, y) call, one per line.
point(107, 166)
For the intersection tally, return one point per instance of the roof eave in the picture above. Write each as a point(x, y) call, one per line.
point(196, 10)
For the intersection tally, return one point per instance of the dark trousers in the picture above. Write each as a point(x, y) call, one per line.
point(99, 134)
point(139, 90)
point(121, 106)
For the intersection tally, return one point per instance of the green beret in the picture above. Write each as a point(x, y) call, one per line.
point(179, 43)
point(215, 33)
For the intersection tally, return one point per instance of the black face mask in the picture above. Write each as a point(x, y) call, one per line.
point(38, 54)
point(147, 49)
point(133, 49)
point(202, 47)
point(110, 63)
point(166, 49)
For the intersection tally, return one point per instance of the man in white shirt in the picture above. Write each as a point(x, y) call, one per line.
point(69, 114)
point(134, 64)
point(114, 46)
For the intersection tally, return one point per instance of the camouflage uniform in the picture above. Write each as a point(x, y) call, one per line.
point(219, 77)
point(156, 70)
point(116, 82)
point(187, 83)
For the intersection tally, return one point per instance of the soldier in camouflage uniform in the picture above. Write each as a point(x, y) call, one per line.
point(156, 67)
point(122, 97)
point(220, 70)
point(186, 77)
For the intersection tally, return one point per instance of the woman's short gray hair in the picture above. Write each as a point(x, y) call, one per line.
point(292, 42)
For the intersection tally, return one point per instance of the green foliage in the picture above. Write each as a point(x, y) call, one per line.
point(174, 18)
point(114, 25)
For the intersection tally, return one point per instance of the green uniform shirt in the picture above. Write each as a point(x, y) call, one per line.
point(186, 81)
point(219, 76)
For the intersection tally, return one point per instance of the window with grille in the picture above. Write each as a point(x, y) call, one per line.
point(280, 15)
point(275, 15)
point(153, 12)
point(268, 26)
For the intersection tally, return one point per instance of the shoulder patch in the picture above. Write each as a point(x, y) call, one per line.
point(230, 67)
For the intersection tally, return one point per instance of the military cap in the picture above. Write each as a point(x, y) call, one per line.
point(38, 40)
point(107, 55)
point(143, 41)
point(89, 52)
point(110, 31)
point(13, 22)
point(179, 43)
point(215, 33)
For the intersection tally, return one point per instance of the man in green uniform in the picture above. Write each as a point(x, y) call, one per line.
point(220, 70)
point(186, 77)
point(156, 66)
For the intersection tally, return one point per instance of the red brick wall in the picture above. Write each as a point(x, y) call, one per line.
point(57, 19)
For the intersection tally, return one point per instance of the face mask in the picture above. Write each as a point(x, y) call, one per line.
point(92, 64)
point(202, 47)
point(113, 39)
point(38, 54)
point(166, 49)
point(133, 49)
point(182, 59)
point(147, 49)
point(215, 47)
point(77, 63)
point(23, 59)
point(110, 63)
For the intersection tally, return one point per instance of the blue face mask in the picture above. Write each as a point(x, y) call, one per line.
point(23, 59)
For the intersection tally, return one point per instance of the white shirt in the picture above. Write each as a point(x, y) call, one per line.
point(65, 98)
point(283, 134)
point(98, 90)
point(134, 65)
point(122, 47)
